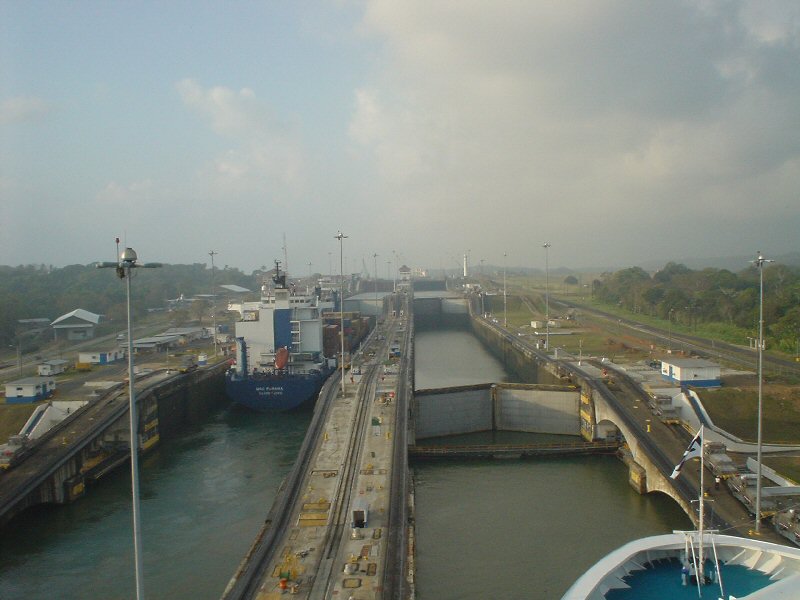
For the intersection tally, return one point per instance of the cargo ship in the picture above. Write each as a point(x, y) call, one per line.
point(280, 364)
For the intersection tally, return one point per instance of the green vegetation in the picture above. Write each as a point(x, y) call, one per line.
point(33, 291)
point(12, 418)
point(788, 466)
point(736, 411)
point(710, 302)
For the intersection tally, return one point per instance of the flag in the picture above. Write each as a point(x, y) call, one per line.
point(694, 450)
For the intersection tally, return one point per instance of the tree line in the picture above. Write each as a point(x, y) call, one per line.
point(695, 297)
point(42, 291)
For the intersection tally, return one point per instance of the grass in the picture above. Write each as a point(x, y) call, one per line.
point(736, 411)
point(12, 418)
point(788, 466)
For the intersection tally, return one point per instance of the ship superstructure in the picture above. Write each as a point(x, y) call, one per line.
point(279, 348)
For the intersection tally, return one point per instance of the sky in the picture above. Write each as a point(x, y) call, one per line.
point(618, 132)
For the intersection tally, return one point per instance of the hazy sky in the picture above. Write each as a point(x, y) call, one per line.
point(619, 131)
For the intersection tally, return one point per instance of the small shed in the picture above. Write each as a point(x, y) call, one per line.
point(52, 367)
point(30, 389)
point(695, 372)
point(77, 325)
point(159, 343)
point(186, 334)
point(101, 357)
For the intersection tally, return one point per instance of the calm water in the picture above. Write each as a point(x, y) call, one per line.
point(518, 528)
point(204, 497)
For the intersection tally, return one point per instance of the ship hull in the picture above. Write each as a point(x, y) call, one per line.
point(275, 393)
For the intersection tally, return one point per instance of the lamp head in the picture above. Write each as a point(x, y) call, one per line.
point(128, 256)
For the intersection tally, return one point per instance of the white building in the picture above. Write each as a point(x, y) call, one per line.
point(31, 389)
point(104, 357)
point(695, 372)
point(52, 367)
point(77, 325)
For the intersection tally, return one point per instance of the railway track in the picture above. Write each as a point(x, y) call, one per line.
point(323, 582)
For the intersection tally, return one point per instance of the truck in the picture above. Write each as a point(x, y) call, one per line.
point(188, 364)
point(360, 514)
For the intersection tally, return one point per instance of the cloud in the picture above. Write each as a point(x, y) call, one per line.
point(266, 156)
point(138, 193)
point(517, 112)
point(230, 113)
point(21, 109)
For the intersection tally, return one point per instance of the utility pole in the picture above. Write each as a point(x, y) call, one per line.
point(375, 259)
point(505, 306)
point(214, 300)
point(760, 262)
point(546, 247)
point(340, 236)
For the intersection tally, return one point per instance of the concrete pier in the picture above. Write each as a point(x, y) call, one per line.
point(339, 526)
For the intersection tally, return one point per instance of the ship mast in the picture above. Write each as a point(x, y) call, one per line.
point(285, 255)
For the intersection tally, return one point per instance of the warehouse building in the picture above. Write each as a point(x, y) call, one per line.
point(76, 325)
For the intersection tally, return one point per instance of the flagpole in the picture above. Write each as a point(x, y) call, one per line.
point(702, 508)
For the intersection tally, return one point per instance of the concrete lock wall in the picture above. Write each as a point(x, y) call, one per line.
point(538, 411)
point(453, 411)
point(454, 306)
point(510, 407)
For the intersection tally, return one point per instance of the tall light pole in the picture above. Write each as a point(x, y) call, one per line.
point(125, 266)
point(505, 305)
point(394, 270)
point(18, 347)
point(546, 247)
point(669, 316)
point(340, 236)
point(375, 266)
point(213, 300)
point(760, 262)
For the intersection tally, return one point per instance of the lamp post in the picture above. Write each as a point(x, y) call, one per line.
point(375, 266)
point(340, 236)
point(760, 262)
point(546, 247)
point(669, 317)
point(394, 270)
point(505, 306)
point(18, 348)
point(213, 300)
point(125, 266)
